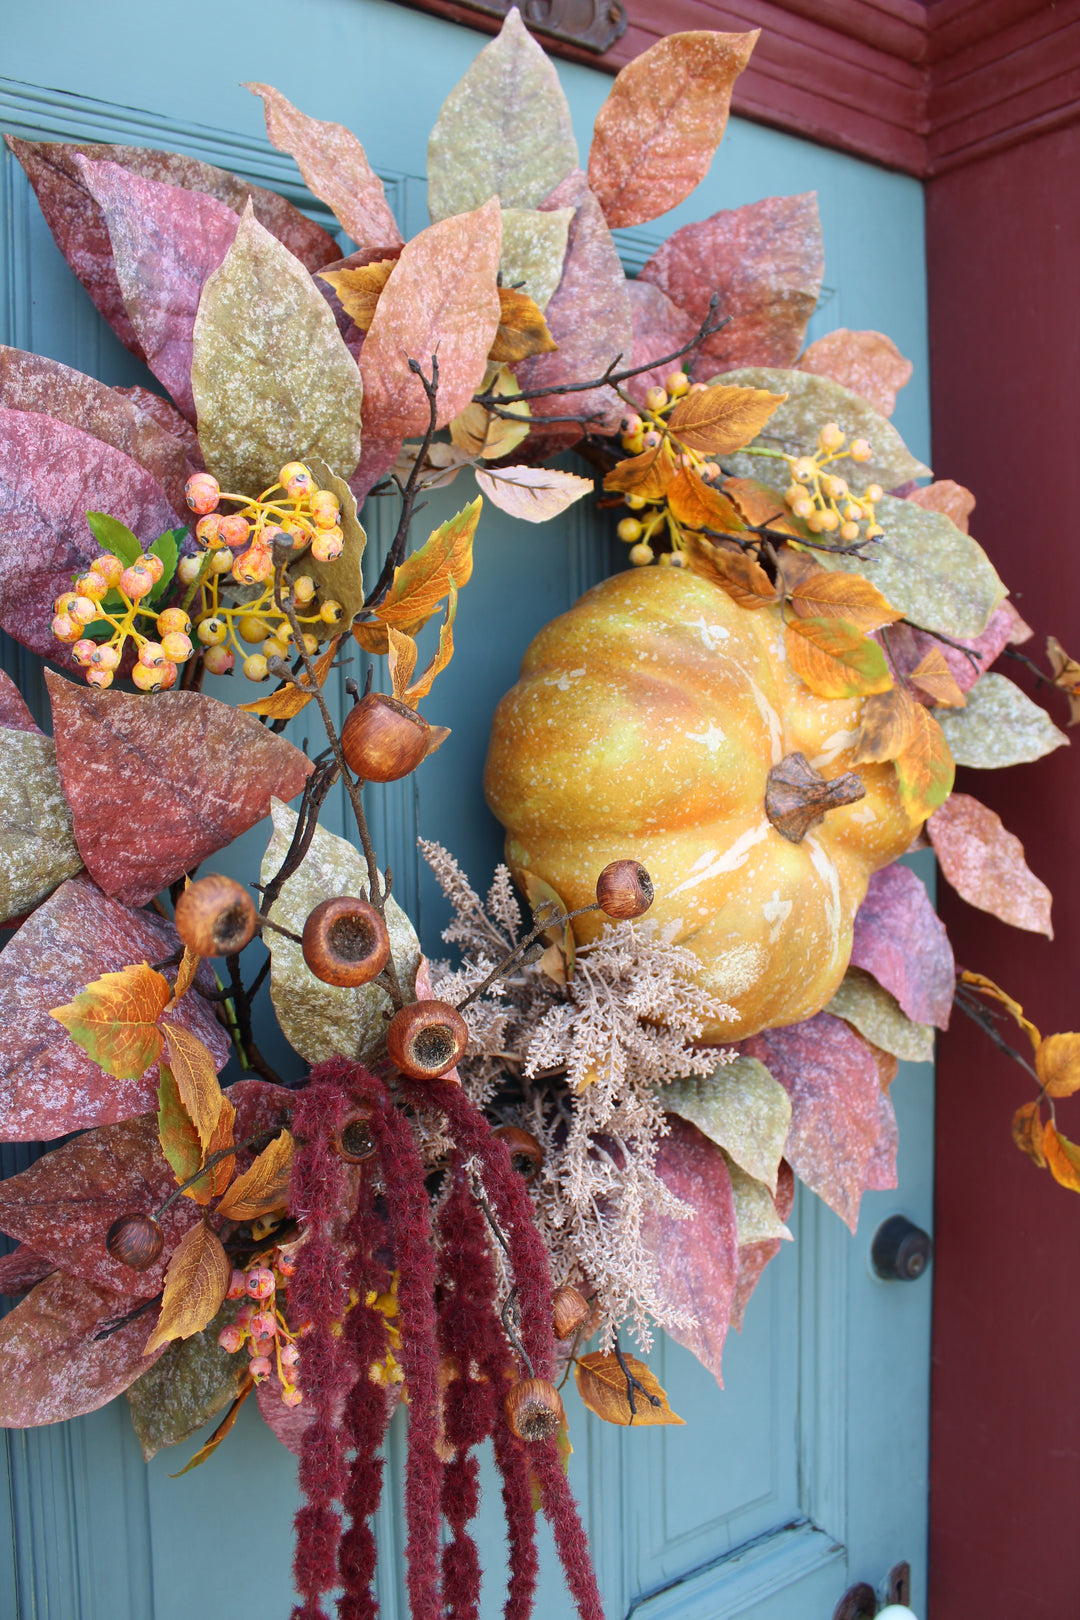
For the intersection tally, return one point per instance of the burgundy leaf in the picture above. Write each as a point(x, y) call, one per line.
point(196, 771)
point(22, 1270)
point(261, 1109)
point(832, 1080)
point(766, 261)
point(985, 864)
point(660, 328)
point(881, 1171)
point(699, 1258)
point(908, 647)
point(48, 1085)
point(14, 714)
point(166, 415)
point(52, 472)
point(52, 1367)
point(166, 241)
point(377, 456)
point(900, 939)
point(65, 1203)
point(29, 382)
point(82, 235)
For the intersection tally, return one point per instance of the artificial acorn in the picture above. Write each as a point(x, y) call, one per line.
point(426, 1038)
point(345, 942)
point(383, 739)
point(534, 1409)
point(570, 1310)
point(624, 890)
point(135, 1240)
point(526, 1154)
point(216, 916)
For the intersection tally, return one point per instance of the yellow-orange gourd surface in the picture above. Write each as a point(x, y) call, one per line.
point(644, 724)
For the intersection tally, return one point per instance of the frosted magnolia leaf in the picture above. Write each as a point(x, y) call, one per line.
point(533, 250)
point(861, 1001)
point(320, 1020)
point(756, 1219)
point(999, 726)
point(741, 1108)
point(37, 844)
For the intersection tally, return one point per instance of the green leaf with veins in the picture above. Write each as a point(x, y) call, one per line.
point(115, 537)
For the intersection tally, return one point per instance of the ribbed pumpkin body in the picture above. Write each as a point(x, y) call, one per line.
point(644, 724)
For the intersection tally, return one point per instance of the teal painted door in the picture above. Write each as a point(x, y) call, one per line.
point(808, 1471)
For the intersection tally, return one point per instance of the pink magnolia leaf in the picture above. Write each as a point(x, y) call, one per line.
point(14, 713)
point(29, 382)
point(22, 1270)
point(908, 646)
point(832, 1080)
point(766, 261)
point(166, 415)
point(52, 1367)
point(195, 770)
point(82, 235)
point(336, 170)
point(901, 940)
point(48, 1085)
point(441, 294)
point(699, 1258)
point(943, 495)
point(589, 317)
point(52, 473)
point(869, 363)
point(985, 864)
point(377, 456)
point(166, 242)
point(660, 328)
point(881, 1173)
point(65, 1203)
point(666, 114)
point(754, 1257)
point(262, 1110)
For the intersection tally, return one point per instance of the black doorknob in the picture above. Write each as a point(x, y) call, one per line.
point(901, 1250)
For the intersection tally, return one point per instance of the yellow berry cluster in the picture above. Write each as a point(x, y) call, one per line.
point(822, 499)
point(159, 655)
point(641, 433)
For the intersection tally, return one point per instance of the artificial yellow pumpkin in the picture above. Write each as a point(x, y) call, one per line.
point(654, 720)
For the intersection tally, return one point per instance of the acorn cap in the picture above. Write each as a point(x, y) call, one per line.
point(345, 942)
point(534, 1409)
point(426, 1038)
point(216, 916)
point(570, 1310)
point(526, 1154)
point(353, 1140)
point(624, 890)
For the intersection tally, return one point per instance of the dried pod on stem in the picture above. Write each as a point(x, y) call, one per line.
point(345, 942)
point(526, 1154)
point(216, 916)
point(426, 1038)
point(353, 1140)
point(534, 1409)
point(135, 1240)
point(383, 739)
point(624, 889)
point(570, 1310)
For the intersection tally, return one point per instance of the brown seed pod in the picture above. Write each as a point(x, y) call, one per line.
point(426, 1038)
point(382, 739)
point(135, 1240)
point(570, 1310)
point(216, 916)
point(353, 1141)
point(624, 889)
point(534, 1409)
point(345, 942)
point(526, 1154)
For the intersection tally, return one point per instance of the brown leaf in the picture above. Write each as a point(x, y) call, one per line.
point(439, 659)
point(970, 656)
point(47, 1085)
point(869, 363)
point(900, 939)
point(925, 769)
point(881, 1172)
point(425, 579)
point(292, 697)
point(700, 505)
point(442, 294)
point(264, 1187)
point(956, 502)
point(987, 987)
point(835, 659)
point(533, 494)
point(843, 596)
point(887, 727)
point(185, 975)
point(335, 168)
point(114, 1020)
point(985, 864)
point(522, 329)
point(22, 1270)
point(179, 1139)
point(647, 475)
point(665, 116)
point(14, 712)
point(401, 661)
point(193, 1070)
point(720, 420)
point(196, 1282)
point(1062, 1156)
point(359, 289)
point(936, 679)
point(197, 771)
point(766, 262)
point(760, 506)
point(220, 1174)
point(736, 572)
point(753, 1258)
point(1027, 1132)
point(1057, 1063)
point(476, 431)
point(52, 1367)
point(1066, 672)
point(699, 1258)
point(602, 1385)
point(222, 1431)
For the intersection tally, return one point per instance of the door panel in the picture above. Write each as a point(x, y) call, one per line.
point(809, 1470)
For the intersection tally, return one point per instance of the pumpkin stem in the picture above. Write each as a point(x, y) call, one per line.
point(797, 796)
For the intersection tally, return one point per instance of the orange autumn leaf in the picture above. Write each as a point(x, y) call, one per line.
point(178, 1138)
point(1063, 1158)
point(761, 506)
point(185, 973)
point(1057, 1063)
point(843, 596)
point(264, 1187)
point(925, 768)
point(114, 1019)
point(195, 1285)
point(192, 1066)
point(869, 363)
point(440, 658)
point(1027, 1132)
point(358, 289)
point(601, 1383)
point(699, 505)
point(289, 699)
point(987, 987)
point(835, 659)
point(887, 727)
point(722, 419)
point(223, 1429)
point(937, 680)
point(1066, 675)
point(522, 329)
point(425, 579)
point(401, 660)
point(217, 1178)
point(647, 475)
point(737, 573)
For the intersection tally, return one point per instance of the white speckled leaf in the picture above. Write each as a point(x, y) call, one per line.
point(270, 373)
point(191, 1382)
point(504, 129)
point(533, 250)
point(862, 1002)
point(741, 1108)
point(999, 726)
point(794, 427)
point(937, 576)
point(755, 1211)
point(321, 1020)
point(37, 844)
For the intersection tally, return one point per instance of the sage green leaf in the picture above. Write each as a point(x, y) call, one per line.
point(741, 1108)
point(37, 844)
point(322, 1020)
point(534, 249)
point(924, 565)
point(503, 131)
point(794, 427)
point(756, 1219)
point(862, 1002)
point(270, 373)
point(343, 579)
point(999, 725)
point(193, 1381)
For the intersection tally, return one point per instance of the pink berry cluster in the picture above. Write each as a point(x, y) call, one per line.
point(261, 1325)
point(159, 654)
